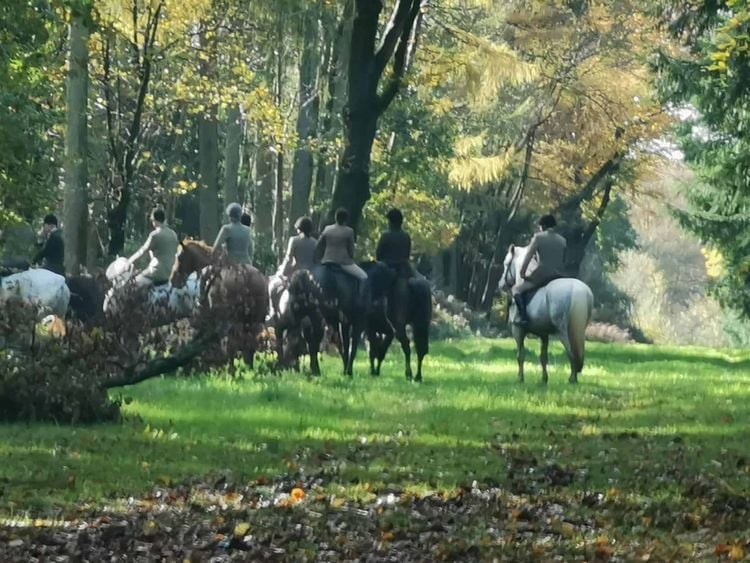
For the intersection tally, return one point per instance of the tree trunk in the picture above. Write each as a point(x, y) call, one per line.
point(208, 154)
point(265, 189)
point(338, 70)
point(232, 152)
point(364, 104)
point(307, 118)
point(76, 145)
point(278, 206)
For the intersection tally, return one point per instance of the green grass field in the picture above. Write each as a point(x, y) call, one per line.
point(660, 432)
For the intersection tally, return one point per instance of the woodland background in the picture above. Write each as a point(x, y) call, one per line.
point(628, 120)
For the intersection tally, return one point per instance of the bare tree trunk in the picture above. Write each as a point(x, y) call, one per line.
point(208, 164)
point(364, 103)
point(76, 144)
point(278, 207)
point(333, 125)
point(265, 189)
point(208, 155)
point(307, 118)
point(232, 153)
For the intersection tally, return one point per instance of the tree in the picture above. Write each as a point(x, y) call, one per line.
point(365, 104)
point(76, 139)
point(710, 75)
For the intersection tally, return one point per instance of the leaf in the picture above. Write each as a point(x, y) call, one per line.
point(241, 529)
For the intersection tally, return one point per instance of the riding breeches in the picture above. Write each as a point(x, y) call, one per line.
point(354, 270)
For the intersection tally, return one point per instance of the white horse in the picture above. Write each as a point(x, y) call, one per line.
point(176, 303)
point(38, 287)
point(563, 306)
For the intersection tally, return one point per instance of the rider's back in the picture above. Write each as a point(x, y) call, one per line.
point(339, 245)
point(550, 248)
point(163, 247)
point(303, 252)
point(239, 243)
point(394, 248)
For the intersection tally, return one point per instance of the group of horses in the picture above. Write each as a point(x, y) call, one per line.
point(300, 309)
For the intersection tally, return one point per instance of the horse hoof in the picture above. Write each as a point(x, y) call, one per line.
point(418, 379)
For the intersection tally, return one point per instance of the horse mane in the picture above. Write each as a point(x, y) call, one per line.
point(198, 244)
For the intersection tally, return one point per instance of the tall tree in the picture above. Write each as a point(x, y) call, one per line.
point(307, 116)
point(76, 138)
point(710, 74)
point(365, 101)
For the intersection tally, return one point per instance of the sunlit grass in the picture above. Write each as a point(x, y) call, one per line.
point(637, 411)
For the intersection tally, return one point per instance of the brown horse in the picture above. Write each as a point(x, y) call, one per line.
point(237, 294)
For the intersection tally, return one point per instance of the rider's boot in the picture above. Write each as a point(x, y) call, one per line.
point(523, 317)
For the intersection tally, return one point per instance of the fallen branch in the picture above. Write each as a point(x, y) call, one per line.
point(160, 366)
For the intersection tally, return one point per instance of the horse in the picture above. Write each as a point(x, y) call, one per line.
point(167, 302)
point(238, 292)
point(45, 290)
point(297, 316)
point(409, 302)
point(563, 306)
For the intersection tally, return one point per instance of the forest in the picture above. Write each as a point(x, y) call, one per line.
point(473, 117)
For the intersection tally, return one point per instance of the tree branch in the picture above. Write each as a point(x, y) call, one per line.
point(393, 31)
point(160, 366)
point(399, 60)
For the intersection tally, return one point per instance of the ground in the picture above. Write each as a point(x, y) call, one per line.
point(648, 458)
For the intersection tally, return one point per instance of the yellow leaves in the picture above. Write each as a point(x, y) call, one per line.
point(298, 494)
point(715, 263)
point(465, 146)
point(241, 529)
point(733, 552)
point(471, 171)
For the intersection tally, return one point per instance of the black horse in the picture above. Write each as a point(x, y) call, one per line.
point(409, 302)
point(333, 296)
point(301, 318)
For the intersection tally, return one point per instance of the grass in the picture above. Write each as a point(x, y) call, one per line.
point(643, 420)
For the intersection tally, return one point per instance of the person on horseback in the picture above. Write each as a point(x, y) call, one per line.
point(300, 252)
point(336, 246)
point(394, 246)
point(52, 253)
point(161, 245)
point(548, 247)
point(235, 237)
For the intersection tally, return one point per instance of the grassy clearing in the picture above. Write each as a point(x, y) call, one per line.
point(643, 421)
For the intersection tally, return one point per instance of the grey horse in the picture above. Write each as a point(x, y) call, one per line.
point(561, 307)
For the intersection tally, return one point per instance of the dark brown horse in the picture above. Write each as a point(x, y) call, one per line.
point(408, 302)
point(236, 294)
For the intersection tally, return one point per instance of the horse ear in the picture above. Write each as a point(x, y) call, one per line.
point(511, 248)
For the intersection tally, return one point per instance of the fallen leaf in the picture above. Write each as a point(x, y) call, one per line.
point(241, 529)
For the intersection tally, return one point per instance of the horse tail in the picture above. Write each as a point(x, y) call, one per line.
point(421, 314)
point(579, 316)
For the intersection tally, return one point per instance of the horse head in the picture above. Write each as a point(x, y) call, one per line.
point(193, 256)
point(511, 265)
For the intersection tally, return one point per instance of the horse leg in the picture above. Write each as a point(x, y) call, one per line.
point(543, 357)
point(520, 336)
point(385, 344)
point(375, 344)
point(403, 338)
point(356, 335)
point(421, 344)
point(345, 332)
point(565, 339)
point(313, 336)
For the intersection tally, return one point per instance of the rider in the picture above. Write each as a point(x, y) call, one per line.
point(549, 249)
point(161, 245)
point(52, 253)
point(394, 246)
point(300, 253)
point(336, 246)
point(236, 237)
